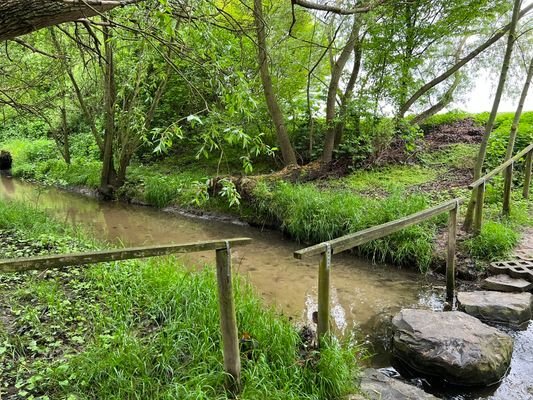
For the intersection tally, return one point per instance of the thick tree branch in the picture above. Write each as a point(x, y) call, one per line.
point(338, 10)
point(19, 17)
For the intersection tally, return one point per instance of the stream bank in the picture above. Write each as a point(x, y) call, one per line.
point(365, 295)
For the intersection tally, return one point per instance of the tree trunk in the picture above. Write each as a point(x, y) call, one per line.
point(490, 123)
point(18, 17)
point(446, 97)
point(331, 102)
point(457, 66)
point(287, 152)
point(107, 178)
point(518, 113)
point(440, 105)
point(409, 14)
point(348, 93)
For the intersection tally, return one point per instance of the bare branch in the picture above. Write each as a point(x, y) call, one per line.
point(34, 49)
point(338, 10)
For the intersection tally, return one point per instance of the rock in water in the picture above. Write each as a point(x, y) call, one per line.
point(497, 307)
point(452, 346)
point(5, 160)
point(377, 386)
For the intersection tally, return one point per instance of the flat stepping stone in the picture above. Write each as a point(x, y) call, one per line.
point(516, 268)
point(504, 283)
point(375, 385)
point(497, 307)
point(451, 346)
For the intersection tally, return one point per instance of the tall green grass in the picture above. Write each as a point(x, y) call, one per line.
point(310, 215)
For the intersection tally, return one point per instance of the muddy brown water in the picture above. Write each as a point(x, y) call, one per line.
point(364, 295)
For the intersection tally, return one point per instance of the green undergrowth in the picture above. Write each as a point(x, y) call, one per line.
point(159, 185)
point(458, 156)
point(499, 234)
point(311, 215)
point(390, 178)
point(142, 330)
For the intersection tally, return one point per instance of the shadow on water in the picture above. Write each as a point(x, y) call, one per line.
point(364, 296)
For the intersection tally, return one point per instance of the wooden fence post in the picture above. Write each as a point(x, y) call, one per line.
point(228, 319)
point(507, 190)
point(323, 294)
point(527, 178)
point(450, 262)
point(478, 217)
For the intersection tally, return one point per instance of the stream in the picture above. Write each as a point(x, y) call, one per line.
point(364, 295)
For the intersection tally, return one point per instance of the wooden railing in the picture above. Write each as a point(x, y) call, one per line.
point(343, 243)
point(228, 321)
point(507, 188)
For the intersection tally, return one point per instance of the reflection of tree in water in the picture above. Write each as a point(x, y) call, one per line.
point(7, 185)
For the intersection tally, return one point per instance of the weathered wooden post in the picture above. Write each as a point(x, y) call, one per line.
point(323, 294)
point(450, 261)
point(228, 319)
point(478, 217)
point(507, 190)
point(527, 178)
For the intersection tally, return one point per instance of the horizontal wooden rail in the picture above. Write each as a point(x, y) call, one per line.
point(228, 319)
point(500, 168)
point(352, 240)
point(335, 246)
point(64, 260)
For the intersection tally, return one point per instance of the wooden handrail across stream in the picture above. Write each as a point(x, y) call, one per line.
point(508, 167)
point(228, 320)
point(347, 242)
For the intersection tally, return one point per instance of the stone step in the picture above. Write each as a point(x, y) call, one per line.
point(518, 268)
point(513, 309)
point(451, 346)
point(505, 283)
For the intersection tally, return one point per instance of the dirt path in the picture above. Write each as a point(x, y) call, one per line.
point(525, 247)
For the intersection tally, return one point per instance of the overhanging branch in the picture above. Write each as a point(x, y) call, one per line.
point(338, 10)
point(19, 17)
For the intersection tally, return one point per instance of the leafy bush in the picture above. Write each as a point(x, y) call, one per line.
point(499, 138)
point(23, 129)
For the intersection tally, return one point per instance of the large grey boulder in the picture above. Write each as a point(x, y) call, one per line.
point(452, 346)
point(376, 385)
point(497, 307)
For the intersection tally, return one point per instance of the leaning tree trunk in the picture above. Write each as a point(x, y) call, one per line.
point(18, 17)
point(447, 97)
point(287, 152)
point(348, 92)
point(518, 113)
point(331, 102)
point(469, 218)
